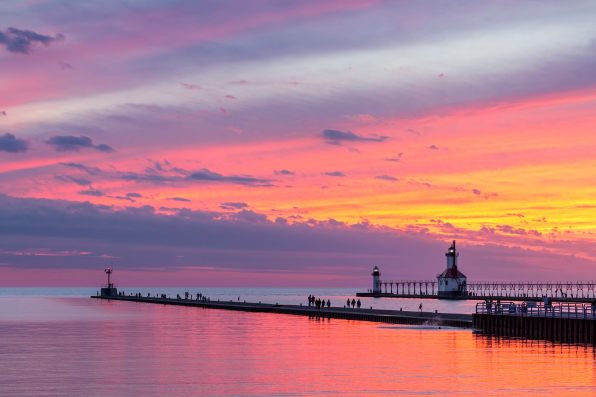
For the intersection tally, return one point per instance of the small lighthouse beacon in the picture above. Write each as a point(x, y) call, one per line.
point(452, 282)
point(109, 289)
point(376, 280)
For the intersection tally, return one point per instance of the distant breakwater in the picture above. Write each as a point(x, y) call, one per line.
point(362, 314)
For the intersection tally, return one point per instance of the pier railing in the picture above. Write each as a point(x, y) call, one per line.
point(533, 309)
point(530, 289)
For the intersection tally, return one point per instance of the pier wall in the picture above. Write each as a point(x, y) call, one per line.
point(556, 329)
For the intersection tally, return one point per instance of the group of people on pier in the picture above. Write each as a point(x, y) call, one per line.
point(318, 302)
point(354, 303)
point(187, 296)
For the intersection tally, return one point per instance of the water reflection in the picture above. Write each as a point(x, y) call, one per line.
point(120, 349)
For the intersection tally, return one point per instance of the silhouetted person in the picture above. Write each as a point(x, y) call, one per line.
point(328, 303)
point(353, 302)
point(358, 303)
point(348, 302)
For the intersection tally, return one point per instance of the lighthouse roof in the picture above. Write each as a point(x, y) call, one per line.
point(452, 273)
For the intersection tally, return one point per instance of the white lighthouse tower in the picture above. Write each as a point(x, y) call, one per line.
point(376, 280)
point(452, 282)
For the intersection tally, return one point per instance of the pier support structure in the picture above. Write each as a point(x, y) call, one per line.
point(564, 322)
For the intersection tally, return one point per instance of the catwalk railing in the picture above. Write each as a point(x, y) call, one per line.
point(528, 289)
point(533, 309)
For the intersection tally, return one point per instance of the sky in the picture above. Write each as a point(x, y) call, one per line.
point(283, 143)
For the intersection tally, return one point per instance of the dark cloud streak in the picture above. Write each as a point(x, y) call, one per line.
point(233, 205)
point(335, 137)
point(210, 176)
point(89, 170)
point(335, 173)
point(71, 143)
point(21, 41)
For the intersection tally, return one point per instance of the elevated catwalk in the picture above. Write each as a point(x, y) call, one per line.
point(530, 291)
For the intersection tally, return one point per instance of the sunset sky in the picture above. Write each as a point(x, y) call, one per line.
point(296, 143)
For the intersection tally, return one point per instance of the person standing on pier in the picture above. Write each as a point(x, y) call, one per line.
point(358, 304)
point(328, 303)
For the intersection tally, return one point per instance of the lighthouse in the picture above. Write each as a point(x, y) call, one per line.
point(376, 280)
point(452, 282)
point(109, 289)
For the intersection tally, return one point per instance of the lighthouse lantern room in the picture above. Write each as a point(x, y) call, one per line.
point(452, 282)
point(376, 280)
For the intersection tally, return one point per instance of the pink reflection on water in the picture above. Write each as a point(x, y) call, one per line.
point(118, 348)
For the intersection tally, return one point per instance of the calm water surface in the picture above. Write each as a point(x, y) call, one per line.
point(60, 343)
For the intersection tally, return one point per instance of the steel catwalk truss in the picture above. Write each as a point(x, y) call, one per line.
point(530, 289)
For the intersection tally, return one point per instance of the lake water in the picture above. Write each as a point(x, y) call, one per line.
point(58, 342)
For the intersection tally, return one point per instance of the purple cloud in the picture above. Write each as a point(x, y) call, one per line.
point(210, 176)
point(11, 144)
point(21, 41)
point(388, 178)
point(283, 172)
point(71, 143)
point(89, 170)
point(91, 192)
point(335, 137)
point(180, 199)
point(233, 205)
point(77, 180)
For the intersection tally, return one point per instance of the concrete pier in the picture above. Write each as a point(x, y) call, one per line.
point(374, 315)
point(567, 323)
